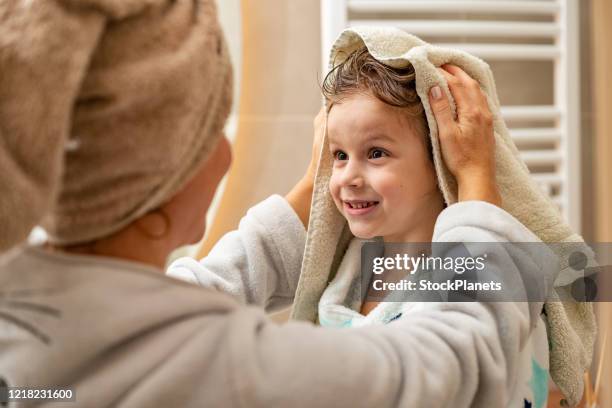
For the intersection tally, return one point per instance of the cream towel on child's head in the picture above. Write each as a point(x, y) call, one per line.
point(571, 324)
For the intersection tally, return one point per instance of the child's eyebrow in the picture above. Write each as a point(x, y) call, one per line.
point(380, 137)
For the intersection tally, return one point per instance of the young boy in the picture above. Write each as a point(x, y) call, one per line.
point(383, 180)
point(384, 183)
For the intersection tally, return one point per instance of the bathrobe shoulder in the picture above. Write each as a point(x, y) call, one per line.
point(124, 335)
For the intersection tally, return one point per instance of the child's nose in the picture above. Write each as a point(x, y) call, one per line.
point(352, 176)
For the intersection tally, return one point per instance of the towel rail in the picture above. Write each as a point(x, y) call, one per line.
point(552, 179)
point(530, 112)
point(567, 95)
point(541, 157)
point(438, 28)
point(528, 136)
point(456, 6)
point(505, 52)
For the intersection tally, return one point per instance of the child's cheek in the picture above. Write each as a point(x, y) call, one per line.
point(387, 185)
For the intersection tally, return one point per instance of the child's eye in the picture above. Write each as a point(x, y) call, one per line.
point(377, 154)
point(340, 155)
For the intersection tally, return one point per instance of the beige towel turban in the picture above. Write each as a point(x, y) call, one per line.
point(107, 108)
point(571, 325)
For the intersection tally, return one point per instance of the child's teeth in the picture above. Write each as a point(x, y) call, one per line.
point(361, 205)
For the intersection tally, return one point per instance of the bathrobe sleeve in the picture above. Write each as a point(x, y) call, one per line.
point(440, 355)
point(259, 262)
point(444, 355)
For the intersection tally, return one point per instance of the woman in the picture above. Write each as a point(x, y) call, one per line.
point(111, 118)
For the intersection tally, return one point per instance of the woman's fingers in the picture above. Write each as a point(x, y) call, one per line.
point(457, 72)
point(471, 86)
point(472, 104)
point(317, 143)
point(464, 89)
point(442, 111)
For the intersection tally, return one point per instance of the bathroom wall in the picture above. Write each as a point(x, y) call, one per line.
point(279, 99)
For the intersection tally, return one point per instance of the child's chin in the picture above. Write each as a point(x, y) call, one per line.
point(361, 234)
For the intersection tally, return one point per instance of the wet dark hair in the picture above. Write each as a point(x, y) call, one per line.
point(360, 71)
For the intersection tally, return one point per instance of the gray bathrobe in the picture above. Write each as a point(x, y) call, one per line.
point(123, 334)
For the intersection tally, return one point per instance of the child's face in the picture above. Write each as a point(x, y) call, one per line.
point(381, 163)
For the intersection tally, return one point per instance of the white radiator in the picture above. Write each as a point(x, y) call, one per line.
point(548, 136)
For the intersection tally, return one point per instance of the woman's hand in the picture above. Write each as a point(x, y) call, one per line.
point(319, 133)
point(467, 143)
point(300, 196)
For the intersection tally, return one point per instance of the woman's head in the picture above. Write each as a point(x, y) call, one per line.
point(383, 177)
point(104, 124)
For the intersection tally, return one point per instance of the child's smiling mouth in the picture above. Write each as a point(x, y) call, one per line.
point(359, 207)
